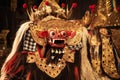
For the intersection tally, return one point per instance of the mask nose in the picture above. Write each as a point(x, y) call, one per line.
point(58, 35)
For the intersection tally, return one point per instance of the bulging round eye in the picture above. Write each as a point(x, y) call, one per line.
point(52, 33)
point(63, 33)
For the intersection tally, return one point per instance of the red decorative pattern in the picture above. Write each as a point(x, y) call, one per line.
point(25, 5)
point(47, 3)
point(63, 5)
point(92, 8)
point(74, 5)
point(42, 34)
point(34, 7)
point(118, 8)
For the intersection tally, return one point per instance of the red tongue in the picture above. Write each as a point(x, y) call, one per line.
point(57, 45)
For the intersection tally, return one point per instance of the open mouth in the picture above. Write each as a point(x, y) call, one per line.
point(57, 42)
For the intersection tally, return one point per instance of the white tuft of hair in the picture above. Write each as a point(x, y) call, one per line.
point(16, 43)
point(86, 69)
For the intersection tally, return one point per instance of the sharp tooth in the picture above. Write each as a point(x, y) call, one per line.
point(53, 40)
point(59, 65)
point(63, 51)
point(52, 51)
point(52, 57)
point(60, 51)
point(59, 59)
point(56, 51)
point(50, 40)
point(49, 65)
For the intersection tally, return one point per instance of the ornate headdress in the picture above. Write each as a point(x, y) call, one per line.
point(106, 15)
point(51, 8)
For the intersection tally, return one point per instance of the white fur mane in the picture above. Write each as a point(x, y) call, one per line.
point(16, 43)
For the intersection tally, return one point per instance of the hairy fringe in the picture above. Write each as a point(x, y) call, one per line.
point(17, 71)
point(16, 42)
point(28, 76)
point(10, 63)
point(76, 72)
point(86, 69)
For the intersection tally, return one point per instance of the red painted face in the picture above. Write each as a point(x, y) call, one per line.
point(56, 38)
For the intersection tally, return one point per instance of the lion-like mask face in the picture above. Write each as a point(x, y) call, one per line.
point(56, 33)
point(56, 38)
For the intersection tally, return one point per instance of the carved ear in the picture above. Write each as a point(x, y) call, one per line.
point(71, 34)
point(42, 34)
point(86, 18)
